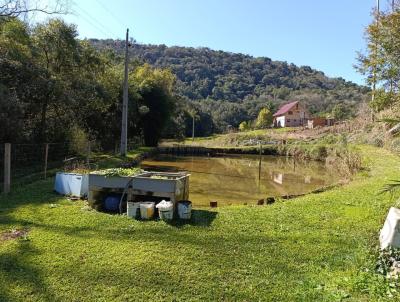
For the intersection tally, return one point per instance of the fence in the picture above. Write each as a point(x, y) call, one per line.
point(25, 163)
point(31, 162)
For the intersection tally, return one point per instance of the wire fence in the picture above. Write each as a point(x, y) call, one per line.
point(32, 162)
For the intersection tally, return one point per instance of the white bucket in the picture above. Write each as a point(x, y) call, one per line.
point(132, 209)
point(166, 214)
point(165, 210)
point(147, 210)
point(185, 210)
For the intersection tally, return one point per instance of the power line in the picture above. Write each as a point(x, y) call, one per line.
point(99, 25)
point(111, 13)
point(91, 23)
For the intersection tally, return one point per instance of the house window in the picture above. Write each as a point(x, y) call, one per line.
point(288, 120)
point(290, 112)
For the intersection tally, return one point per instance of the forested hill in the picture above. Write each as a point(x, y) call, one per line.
point(204, 73)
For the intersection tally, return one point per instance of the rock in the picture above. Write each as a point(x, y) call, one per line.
point(270, 200)
point(394, 129)
point(390, 233)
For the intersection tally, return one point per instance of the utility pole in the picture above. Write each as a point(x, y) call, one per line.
point(124, 129)
point(375, 53)
point(193, 128)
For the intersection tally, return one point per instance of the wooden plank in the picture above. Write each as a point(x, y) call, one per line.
point(7, 167)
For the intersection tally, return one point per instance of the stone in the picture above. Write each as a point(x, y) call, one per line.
point(390, 233)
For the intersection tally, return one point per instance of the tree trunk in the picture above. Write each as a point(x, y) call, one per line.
point(42, 134)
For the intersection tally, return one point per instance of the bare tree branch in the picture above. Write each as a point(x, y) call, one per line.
point(16, 8)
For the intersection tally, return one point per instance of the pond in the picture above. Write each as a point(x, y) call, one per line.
point(238, 179)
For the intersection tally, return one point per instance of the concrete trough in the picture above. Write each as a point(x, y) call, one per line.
point(144, 187)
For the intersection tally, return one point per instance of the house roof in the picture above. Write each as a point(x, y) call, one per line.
point(285, 108)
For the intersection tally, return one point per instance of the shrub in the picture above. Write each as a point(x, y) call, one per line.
point(318, 152)
point(78, 140)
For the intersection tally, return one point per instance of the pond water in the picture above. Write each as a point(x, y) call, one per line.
point(237, 180)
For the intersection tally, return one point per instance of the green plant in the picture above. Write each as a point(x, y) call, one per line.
point(264, 118)
point(78, 140)
point(244, 126)
point(111, 172)
point(386, 259)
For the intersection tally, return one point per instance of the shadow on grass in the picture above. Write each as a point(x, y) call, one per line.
point(16, 269)
point(201, 218)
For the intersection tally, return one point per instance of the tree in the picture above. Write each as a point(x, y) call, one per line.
point(194, 115)
point(381, 63)
point(244, 126)
point(239, 86)
point(54, 87)
point(155, 87)
point(264, 118)
point(340, 112)
point(59, 53)
point(16, 8)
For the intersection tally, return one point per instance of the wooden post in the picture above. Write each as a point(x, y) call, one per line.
point(46, 155)
point(88, 155)
point(7, 167)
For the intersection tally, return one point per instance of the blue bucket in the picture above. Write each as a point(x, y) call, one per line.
point(111, 203)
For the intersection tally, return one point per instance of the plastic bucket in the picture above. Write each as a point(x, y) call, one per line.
point(166, 213)
point(111, 203)
point(146, 210)
point(132, 209)
point(165, 210)
point(185, 209)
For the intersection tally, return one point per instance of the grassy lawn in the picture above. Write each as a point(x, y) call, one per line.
point(315, 248)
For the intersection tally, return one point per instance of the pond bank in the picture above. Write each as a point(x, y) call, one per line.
point(338, 156)
point(212, 151)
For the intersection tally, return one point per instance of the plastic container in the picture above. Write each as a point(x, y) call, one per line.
point(165, 210)
point(72, 184)
point(133, 209)
point(111, 203)
point(185, 209)
point(147, 210)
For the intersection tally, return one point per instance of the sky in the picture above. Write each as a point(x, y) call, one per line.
point(323, 34)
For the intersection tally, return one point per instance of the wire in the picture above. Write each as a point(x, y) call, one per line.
point(111, 13)
point(91, 23)
point(99, 25)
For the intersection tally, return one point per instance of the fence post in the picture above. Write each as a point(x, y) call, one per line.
point(46, 155)
point(88, 155)
point(7, 167)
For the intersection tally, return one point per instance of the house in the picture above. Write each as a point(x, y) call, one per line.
point(293, 114)
point(320, 122)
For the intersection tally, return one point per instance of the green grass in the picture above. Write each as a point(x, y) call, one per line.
point(315, 248)
point(235, 139)
point(105, 161)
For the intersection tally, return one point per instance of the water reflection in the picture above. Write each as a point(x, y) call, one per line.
point(238, 179)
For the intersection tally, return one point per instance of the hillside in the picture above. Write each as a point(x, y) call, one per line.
point(204, 73)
